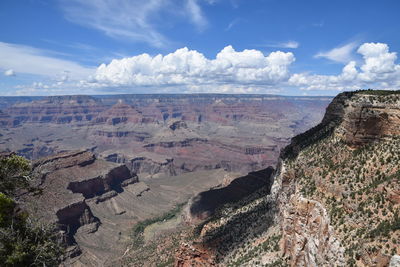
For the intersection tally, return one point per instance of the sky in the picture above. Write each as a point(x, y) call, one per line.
point(285, 47)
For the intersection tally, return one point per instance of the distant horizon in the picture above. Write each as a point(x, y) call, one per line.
point(172, 94)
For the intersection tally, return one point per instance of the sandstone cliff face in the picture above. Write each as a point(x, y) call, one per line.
point(332, 201)
point(55, 109)
point(355, 118)
point(316, 198)
point(120, 113)
point(371, 120)
point(308, 237)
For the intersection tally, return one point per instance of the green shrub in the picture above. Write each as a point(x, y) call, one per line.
point(23, 242)
point(13, 173)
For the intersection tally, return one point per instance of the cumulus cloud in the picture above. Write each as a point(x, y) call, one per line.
point(340, 54)
point(378, 70)
point(9, 72)
point(134, 20)
point(379, 62)
point(189, 67)
point(189, 71)
point(26, 59)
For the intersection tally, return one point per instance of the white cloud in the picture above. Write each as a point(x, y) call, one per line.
point(340, 54)
point(378, 70)
point(26, 59)
point(134, 20)
point(189, 71)
point(196, 15)
point(288, 44)
point(378, 60)
point(9, 72)
point(187, 67)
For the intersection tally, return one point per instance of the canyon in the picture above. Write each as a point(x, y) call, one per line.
point(103, 164)
point(186, 198)
point(160, 134)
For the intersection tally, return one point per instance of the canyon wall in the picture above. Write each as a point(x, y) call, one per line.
point(332, 203)
point(237, 133)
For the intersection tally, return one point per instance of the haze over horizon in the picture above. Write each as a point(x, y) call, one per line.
point(198, 46)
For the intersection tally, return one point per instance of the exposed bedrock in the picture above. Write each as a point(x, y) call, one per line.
point(74, 216)
point(73, 184)
point(55, 109)
point(120, 113)
point(364, 118)
point(143, 165)
point(308, 236)
point(356, 118)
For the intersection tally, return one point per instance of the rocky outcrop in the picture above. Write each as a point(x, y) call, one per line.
point(149, 167)
point(371, 118)
point(307, 234)
point(73, 217)
point(71, 184)
point(358, 118)
point(189, 256)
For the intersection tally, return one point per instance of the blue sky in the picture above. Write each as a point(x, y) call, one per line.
point(289, 47)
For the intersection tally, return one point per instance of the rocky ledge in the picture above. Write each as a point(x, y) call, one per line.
point(68, 184)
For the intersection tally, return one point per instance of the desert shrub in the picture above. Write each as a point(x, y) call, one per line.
point(14, 172)
point(385, 227)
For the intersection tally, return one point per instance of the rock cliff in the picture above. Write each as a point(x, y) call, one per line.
point(55, 109)
point(334, 200)
point(69, 186)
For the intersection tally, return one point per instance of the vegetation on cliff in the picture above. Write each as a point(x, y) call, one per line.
point(23, 241)
point(337, 201)
point(358, 189)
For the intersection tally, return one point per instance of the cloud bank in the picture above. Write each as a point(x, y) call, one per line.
point(378, 70)
point(189, 67)
point(185, 70)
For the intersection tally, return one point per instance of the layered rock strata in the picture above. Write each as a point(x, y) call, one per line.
point(332, 200)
